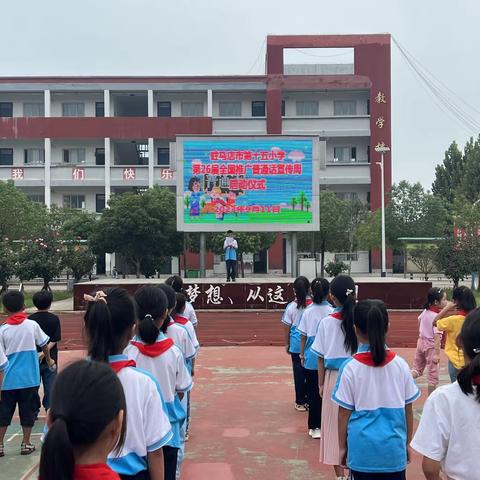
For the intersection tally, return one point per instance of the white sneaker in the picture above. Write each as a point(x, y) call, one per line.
point(316, 433)
point(310, 431)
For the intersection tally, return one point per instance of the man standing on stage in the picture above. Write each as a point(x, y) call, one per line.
point(230, 247)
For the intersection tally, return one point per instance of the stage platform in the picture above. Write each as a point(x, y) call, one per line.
point(265, 293)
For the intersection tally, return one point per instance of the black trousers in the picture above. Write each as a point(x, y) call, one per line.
point(170, 461)
point(313, 398)
point(231, 269)
point(143, 475)
point(299, 380)
point(377, 476)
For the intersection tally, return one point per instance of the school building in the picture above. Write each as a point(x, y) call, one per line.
point(75, 141)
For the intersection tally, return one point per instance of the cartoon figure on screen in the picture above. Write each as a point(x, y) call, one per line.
point(218, 202)
point(232, 196)
point(194, 196)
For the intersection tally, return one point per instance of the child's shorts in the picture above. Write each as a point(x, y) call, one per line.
point(377, 476)
point(26, 398)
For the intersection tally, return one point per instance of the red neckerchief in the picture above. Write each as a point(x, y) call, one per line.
point(16, 318)
point(181, 320)
point(476, 380)
point(98, 471)
point(337, 315)
point(434, 309)
point(463, 313)
point(117, 366)
point(308, 302)
point(155, 349)
point(367, 359)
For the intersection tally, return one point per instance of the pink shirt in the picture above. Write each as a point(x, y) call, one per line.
point(426, 328)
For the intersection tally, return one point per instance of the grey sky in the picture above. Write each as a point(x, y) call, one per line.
point(188, 37)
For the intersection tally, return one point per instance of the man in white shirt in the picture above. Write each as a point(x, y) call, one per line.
point(230, 247)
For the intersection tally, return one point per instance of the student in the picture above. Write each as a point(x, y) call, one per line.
point(109, 320)
point(230, 247)
point(308, 327)
point(449, 429)
point(154, 352)
point(450, 320)
point(180, 318)
point(335, 342)
point(290, 318)
point(19, 338)
point(50, 324)
point(375, 392)
point(176, 283)
point(429, 339)
point(86, 421)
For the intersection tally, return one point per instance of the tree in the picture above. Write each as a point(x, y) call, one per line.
point(424, 258)
point(449, 174)
point(293, 202)
point(307, 205)
point(302, 198)
point(7, 263)
point(335, 268)
point(139, 225)
point(470, 184)
point(78, 260)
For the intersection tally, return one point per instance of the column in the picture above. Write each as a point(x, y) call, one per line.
point(294, 255)
point(202, 254)
point(209, 103)
point(150, 103)
point(108, 155)
point(47, 102)
point(151, 162)
point(48, 163)
point(106, 103)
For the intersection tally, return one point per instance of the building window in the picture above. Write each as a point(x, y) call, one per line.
point(230, 109)
point(345, 154)
point(164, 109)
point(347, 196)
point(346, 257)
point(99, 109)
point(34, 156)
point(100, 202)
point(6, 156)
point(99, 156)
point(163, 154)
point(258, 108)
point(76, 202)
point(368, 153)
point(6, 109)
point(283, 108)
point(73, 109)
point(368, 106)
point(33, 110)
point(74, 155)
point(307, 108)
point(142, 152)
point(192, 109)
point(344, 107)
point(36, 198)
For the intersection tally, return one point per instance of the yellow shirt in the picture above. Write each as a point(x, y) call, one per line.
point(452, 326)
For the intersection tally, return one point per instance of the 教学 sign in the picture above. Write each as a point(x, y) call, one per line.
point(247, 184)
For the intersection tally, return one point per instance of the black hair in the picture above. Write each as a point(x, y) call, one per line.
point(13, 301)
point(435, 294)
point(229, 231)
point(320, 288)
point(107, 323)
point(343, 289)
point(86, 397)
point(181, 302)
point(470, 341)
point(175, 282)
point(192, 181)
point(172, 302)
point(152, 304)
point(301, 285)
point(464, 298)
point(43, 299)
point(371, 318)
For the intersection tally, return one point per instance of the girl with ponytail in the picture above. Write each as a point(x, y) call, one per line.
point(290, 319)
point(448, 433)
point(334, 343)
point(375, 392)
point(154, 352)
point(176, 282)
point(86, 421)
point(308, 327)
point(109, 321)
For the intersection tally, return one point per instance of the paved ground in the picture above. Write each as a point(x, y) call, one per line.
point(243, 423)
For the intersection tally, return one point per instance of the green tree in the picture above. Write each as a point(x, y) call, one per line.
point(308, 205)
point(449, 174)
point(335, 268)
point(470, 185)
point(302, 198)
point(186, 201)
point(139, 225)
point(78, 260)
point(293, 202)
point(7, 263)
point(424, 257)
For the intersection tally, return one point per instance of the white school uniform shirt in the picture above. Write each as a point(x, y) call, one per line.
point(19, 343)
point(291, 317)
point(182, 340)
point(184, 322)
point(308, 326)
point(329, 341)
point(166, 363)
point(3, 360)
point(449, 431)
point(377, 395)
point(190, 313)
point(148, 426)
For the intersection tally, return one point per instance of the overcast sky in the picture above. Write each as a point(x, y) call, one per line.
point(214, 37)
